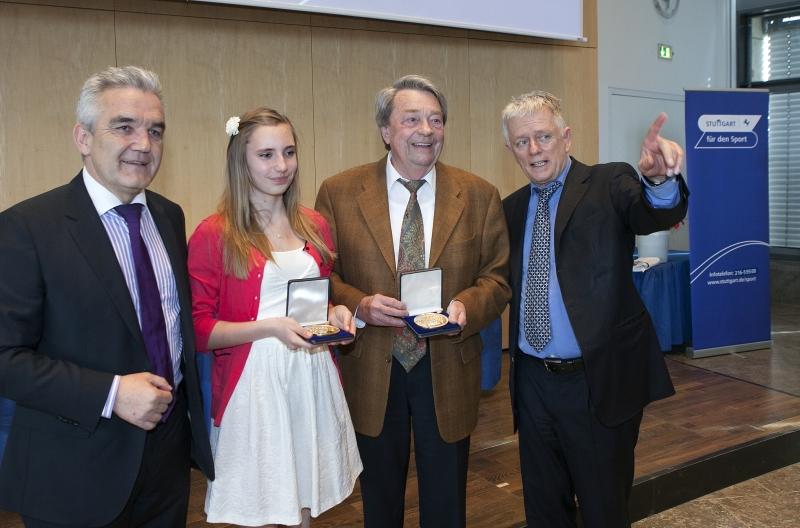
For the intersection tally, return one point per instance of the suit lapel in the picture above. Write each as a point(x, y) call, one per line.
point(374, 205)
point(447, 210)
point(519, 214)
point(92, 240)
point(575, 186)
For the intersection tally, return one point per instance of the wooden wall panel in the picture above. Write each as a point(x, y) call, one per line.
point(570, 72)
point(47, 53)
point(351, 66)
point(323, 71)
point(211, 70)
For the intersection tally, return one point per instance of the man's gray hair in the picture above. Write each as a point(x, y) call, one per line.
point(530, 103)
point(384, 101)
point(88, 110)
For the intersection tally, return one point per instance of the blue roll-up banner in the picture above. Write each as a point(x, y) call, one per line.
point(726, 165)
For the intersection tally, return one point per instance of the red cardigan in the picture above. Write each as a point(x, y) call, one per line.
point(217, 296)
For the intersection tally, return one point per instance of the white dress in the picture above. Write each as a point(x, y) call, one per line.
point(286, 440)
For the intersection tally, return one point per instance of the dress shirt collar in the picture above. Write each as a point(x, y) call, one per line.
point(561, 177)
point(392, 176)
point(103, 199)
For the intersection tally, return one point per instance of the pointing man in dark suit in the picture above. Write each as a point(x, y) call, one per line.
point(96, 339)
point(585, 359)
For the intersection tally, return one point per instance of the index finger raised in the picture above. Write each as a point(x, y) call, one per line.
point(655, 128)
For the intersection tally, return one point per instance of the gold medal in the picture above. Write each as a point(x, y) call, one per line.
point(430, 320)
point(322, 329)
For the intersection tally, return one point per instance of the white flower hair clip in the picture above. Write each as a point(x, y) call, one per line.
point(232, 126)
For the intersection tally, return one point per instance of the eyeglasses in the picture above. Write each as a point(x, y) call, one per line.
point(543, 140)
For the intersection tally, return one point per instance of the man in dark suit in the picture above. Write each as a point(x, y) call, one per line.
point(96, 337)
point(585, 359)
point(454, 220)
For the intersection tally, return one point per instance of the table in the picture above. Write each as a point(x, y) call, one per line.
point(6, 414)
point(491, 356)
point(664, 288)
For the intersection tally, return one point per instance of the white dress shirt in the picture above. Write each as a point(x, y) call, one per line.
point(104, 202)
point(398, 200)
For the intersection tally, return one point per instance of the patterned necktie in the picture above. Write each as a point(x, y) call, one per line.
point(154, 327)
point(406, 348)
point(537, 308)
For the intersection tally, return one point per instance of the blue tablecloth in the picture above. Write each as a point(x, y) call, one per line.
point(665, 291)
point(6, 414)
point(204, 371)
point(491, 355)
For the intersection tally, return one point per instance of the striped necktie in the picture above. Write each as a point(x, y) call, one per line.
point(153, 324)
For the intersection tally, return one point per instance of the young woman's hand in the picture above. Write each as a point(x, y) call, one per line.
point(288, 331)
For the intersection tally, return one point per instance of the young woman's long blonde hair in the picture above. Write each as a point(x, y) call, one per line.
point(241, 230)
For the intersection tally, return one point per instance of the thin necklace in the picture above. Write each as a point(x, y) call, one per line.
point(269, 232)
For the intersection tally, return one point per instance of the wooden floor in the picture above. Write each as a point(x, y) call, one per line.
point(711, 412)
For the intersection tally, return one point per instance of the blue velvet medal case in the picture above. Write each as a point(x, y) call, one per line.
point(307, 303)
point(421, 292)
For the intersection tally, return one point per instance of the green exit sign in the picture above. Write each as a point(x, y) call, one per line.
point(665, 51)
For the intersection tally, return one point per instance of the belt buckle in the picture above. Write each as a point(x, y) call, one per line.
point(551, 365)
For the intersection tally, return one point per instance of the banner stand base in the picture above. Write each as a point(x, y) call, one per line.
point(729, 349)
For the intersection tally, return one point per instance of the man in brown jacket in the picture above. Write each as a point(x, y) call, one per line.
point(384, 221)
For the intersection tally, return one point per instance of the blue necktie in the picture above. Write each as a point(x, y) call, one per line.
point(154, 327)
point(537, 307)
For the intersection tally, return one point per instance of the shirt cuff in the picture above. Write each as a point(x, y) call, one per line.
point(108, 409)
point(359, 322)
point(665, 195)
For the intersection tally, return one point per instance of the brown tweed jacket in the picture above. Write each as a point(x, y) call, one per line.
point(469, 243)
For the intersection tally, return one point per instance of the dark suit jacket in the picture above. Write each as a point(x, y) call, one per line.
point(600, 209)
point(469, 243)
point(67, 325)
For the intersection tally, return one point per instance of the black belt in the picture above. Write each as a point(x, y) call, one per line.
point(558, 365)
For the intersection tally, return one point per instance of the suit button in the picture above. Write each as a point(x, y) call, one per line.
point(389, 359)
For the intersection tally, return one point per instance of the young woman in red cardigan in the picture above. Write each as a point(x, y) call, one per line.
point(284, 447)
